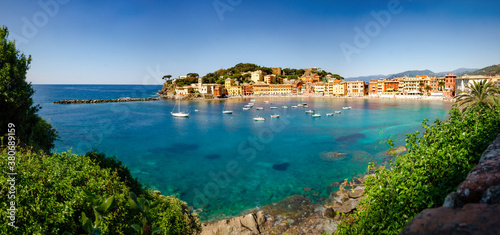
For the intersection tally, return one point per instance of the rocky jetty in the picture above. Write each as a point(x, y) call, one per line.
point(473, 209)
point(294, 215)
point(103, 100)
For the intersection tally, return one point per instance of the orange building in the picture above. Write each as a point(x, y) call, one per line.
point(247, 90)
point(391, 86)
point(372, 87)
point(449, 85)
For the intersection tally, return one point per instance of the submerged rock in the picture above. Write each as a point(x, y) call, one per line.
point(361, 155)
point(351, 138)
point(281, 167)
point(333, 156)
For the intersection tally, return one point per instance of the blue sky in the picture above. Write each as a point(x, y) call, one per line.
point(138, 41)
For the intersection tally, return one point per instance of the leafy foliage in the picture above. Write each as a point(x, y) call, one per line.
point(435, 164)
point(16, 102)
point(50, 197)
point(143, 205)
point(480, 94)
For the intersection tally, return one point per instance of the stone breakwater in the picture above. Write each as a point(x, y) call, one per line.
point(473, 209)
point(103, 101)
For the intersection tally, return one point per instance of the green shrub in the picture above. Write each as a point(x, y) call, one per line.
point(50, 197)
point(434, 166)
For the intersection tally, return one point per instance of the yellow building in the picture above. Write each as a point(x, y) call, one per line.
point(280, 89)
point(261, 89)
point(338, 88)
point(257, 76)
point(234, 90)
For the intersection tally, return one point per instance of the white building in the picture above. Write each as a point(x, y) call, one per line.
point(462, 83)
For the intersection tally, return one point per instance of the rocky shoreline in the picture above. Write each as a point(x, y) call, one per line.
point(295, 214)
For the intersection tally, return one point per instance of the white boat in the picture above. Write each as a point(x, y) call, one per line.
point(284, 107)
point(273, 107)
point(329, 114)
point(259, 108)
point(338, 111)
point(310, 111)
point(252, 100)
point(259, 119)
point(305, 105)
point(275, 116)
point(179, 113)
point(252, 104)
point(347, 107)
point(266, 101)
point(224, 111)
point(294, 106)
point(300, 105)
point(316, 115)
point(196, 110)
point(246, 108)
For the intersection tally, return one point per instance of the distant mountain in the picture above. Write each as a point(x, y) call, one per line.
point(413, 73)
point(490, 70)
point(458, 72)
point(365, 78)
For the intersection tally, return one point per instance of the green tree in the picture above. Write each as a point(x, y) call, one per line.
point(167, 77)
point(194, 75)
point(337, 76)
point(479, 93)
point(428, 88)
point(16, 102)
point(441, 85)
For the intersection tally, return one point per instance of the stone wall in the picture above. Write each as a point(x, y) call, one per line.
point(473, 209)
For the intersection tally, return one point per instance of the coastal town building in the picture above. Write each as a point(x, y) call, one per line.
point(411, 85)
point(449, 85)
point(338, 88)
point(390, 87)
point(495, 80)
point(280, 89)
point(270, 79)
point(276, 71)
point(319, 88)
point(185, 90)
point(257, 76)
point(261, 89)
point(234, 90)
point(356, 88)
point(247, 89)
point(462, 83)
point(373, 87)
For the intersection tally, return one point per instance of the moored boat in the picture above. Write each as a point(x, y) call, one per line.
point(259, 108)
point(275, 116)
point(316, 115)
point(329, 114)
point(284, 107)
point(310, 111)
point(259, 119)
point(338, 111)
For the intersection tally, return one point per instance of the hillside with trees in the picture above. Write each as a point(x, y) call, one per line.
point(488, 71)
point(239, 72)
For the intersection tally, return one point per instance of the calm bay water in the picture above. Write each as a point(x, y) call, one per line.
point(225, 164)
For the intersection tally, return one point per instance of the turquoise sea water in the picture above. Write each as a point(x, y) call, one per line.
point(224, 164)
